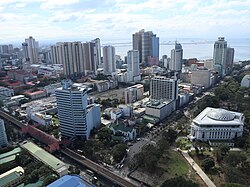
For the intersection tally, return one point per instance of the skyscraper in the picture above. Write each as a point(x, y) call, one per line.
point(3, 136)
point(133, 65)
point(30, 50)
point(109, 62)
point(72, 110)
point(163, 88)
point(97, 51)
point(176, 58)
point(148, 46)
point(92, 56)
point(220, 55)
point(229, 60)
point(70, 54)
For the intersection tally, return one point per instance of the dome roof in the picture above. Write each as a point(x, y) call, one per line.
point(220, 115)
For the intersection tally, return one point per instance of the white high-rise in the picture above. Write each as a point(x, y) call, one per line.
point(30, 50)
point(163, 88)
point(70, 54)
point(109, 62)
point(176, 58)
point(133, 66)
point(76, 117)
point(3, 136)
point(220, 55)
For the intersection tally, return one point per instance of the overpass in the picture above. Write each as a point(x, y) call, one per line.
point(12, 119)
point(98, 169)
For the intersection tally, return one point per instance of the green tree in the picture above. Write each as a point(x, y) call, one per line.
point(235, 159)
point(179, 182)
point(208, 163)
point(119, 151)
point(49, 179)
point(224, 149)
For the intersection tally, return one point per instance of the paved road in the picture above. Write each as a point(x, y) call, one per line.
point(198, 170)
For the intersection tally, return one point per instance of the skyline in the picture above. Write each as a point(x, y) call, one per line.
point(64, 20)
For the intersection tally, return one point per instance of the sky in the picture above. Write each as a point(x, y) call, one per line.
point(117, 20)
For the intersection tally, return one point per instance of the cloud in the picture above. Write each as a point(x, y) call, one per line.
point(118, 19)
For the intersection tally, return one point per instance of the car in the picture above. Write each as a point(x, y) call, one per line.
point(138, 139)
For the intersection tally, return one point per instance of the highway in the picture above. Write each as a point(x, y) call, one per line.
point(84, 161)
point(98, 169)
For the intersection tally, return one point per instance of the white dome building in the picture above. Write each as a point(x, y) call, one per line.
point(217, 124)
point(245, 81)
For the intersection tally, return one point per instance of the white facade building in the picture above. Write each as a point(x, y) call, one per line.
point(109, 62)
point(201, 76)
point(3, 136)
point(71, 105)
point(176, 58)
point(163, 88)
point(160, 109)
point(245, 81)
point(217, 124)
point(30, 50)
point(220, 55)
point(133, 93)
point(133, 71)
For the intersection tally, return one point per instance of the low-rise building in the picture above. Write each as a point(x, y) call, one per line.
point(6, 91)
point(48, 159)
point(217, 124)
point(160, 109)
point(50, 89)
point(35, 94)
point(128, 132)
point(12, 177)
point(69, 181)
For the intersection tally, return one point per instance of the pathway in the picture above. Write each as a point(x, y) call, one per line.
point(198, 170)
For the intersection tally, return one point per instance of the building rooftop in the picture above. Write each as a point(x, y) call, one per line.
point(158, 104)
point(10, 153)
point(71, 181)
point(218, 116)
point(11, 175)
point(44, 156)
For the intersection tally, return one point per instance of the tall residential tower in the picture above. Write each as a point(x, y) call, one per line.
point(109, 62)
point(30, 50)
point(176, 58)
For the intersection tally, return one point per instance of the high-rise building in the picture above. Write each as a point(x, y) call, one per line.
point(70, 54)
point(133, 93)
point(148, 46)
point(133, 66)
point(97, 51)
point(92, 57)
point(30, 50)
point(109, 62)
point(76, 118)
point(3, 136)
point(220, 55)
point(163, 88)
point(229, 60)
point(176, 58)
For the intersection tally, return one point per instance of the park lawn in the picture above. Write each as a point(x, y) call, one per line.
point(175, 165)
